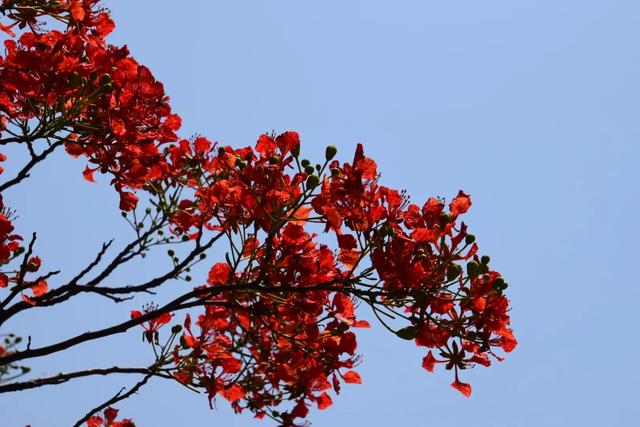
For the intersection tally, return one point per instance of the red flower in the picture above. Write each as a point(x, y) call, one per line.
point(352, 377)
point(128, 201)
point(151, 326)
point(463, 388)
point(460, 204)
point(219, 274)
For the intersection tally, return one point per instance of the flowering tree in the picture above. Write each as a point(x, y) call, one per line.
point(275, 330)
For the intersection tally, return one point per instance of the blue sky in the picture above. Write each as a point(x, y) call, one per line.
point(531, 107)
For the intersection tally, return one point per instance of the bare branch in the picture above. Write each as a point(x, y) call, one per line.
point(92, 265)
point(115, 399)
point(24, 173)
point(62, 378)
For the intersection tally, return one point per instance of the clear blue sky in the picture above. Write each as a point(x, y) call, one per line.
point(532, 107)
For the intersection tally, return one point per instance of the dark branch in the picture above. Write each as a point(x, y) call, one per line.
point(23, 271)
point(176, 305)
point(92, 265)
point(24, 173)
point(62, 378)
point(115, 399)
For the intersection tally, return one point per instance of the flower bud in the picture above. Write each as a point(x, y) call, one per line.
point(469, 239)
point(74, 80)
point(309, 170)
point(203, 255)
point(221, 151)
point(188, 278)
point(305, 163)
point(473, 268)
point(485, 259)
point(295, 151)
point(176, 329)
point(185, 238)
point(108, 88)
point(273, 160)
point(500, 284)
point(445, 218)
point(408, 333)
point(313, 181)
point(453, 271)
point(330, 152)
point(170, 252)
point(105, 79)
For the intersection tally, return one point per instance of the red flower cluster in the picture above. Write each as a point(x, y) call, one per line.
point(277, 331)
point(278, 327)
point(91, 96)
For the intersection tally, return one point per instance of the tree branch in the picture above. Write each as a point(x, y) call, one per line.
point(62, 378)
point(24, 173)
point(115, 399)
point(176, 305)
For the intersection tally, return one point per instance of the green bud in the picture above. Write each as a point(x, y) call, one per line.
point(453, 271)
point(309, 169)
point(203, 255)
point(183, 343)
point(305, 163)
point(160, 233)
point(185, 238)
point(295, 151)
point(445, 218)
point(469, 239)
point(473, 268)
point(74, 80)
point(273, 160)
point(19, 251)
point(176, 259)
point(221, 151)
point(105, 79)
point(408, 333)
point(170, 252)
point(188, 278)
point(108, 88)
point(499, 283)
point(335, 172)
point(124, 214)
point(330, 152)
point(313, 181)
point(176, 329)
point(147, 211)
point(485, 259)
